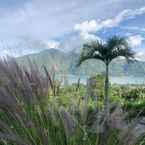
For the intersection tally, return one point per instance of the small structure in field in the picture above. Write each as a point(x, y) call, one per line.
point(95, 86)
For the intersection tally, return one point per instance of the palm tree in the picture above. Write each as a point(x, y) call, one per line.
point(106, 52)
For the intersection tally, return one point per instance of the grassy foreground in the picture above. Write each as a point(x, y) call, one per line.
point(32, 113)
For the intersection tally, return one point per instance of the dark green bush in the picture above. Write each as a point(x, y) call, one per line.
point(135, 109)
point(133, 94)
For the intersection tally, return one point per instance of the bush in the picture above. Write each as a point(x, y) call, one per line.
point(135, 109)
point(133, 94)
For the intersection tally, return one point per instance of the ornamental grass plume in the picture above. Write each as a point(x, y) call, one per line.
point(29, 117)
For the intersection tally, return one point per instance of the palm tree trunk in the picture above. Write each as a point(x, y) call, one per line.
point(106, 98)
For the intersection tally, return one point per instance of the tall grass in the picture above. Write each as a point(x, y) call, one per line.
point(30, 116)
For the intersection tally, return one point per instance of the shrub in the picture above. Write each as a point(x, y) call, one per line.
point(133, 94)
point(135, 109)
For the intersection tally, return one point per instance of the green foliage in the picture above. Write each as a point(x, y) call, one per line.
point(116, 91)
point(135, 108)
point(100, 85)
point(131, 97)
point(141, 140)
point(134, 94)
point(113, 138)
point(30, 114)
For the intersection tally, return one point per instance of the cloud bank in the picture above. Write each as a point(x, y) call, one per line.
point(88, 27)
point(51, 24)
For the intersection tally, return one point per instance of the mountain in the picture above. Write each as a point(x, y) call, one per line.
point(65, 63)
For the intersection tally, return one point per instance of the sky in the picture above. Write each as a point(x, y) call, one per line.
point(30, 26)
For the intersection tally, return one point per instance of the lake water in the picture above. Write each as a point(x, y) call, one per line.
point(114, 80)
point(127, 80)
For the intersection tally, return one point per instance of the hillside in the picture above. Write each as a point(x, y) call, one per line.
point(65, 63)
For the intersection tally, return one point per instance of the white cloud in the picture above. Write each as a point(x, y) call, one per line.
point(86, 30)
point(135, 40)
point(89, 37)
point(96, 25)
point(53, 44)
point(46, 19)
point(87, 26)
point(140, 56)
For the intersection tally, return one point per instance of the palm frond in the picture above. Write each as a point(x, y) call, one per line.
point(113, 48)
point(91, 50)
point(116, 42)
point(127, 53)
point(119, 46)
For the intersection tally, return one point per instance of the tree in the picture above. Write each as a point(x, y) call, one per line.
point(114, 47)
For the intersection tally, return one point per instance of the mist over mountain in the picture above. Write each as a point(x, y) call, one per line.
point(65, 63)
